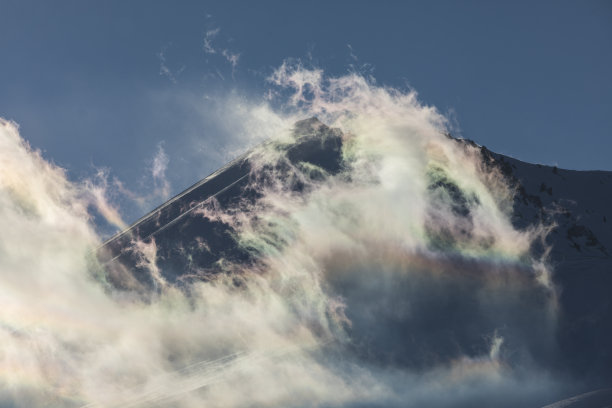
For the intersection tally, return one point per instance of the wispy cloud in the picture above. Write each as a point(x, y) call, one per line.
point(154, 185)
point(208, 39)
point(372, 288)
point(231, 57)
point(351, 53)
point(164, 70)
point(158, 172)
point(97, 190)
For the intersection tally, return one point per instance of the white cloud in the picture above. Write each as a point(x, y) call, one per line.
point(289, 333)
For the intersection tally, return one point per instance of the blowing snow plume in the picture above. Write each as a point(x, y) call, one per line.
point(363, 258)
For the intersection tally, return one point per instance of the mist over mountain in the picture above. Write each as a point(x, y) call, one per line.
point(360, 256)
point(417, 322)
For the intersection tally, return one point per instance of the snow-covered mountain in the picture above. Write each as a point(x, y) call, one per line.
point(577, 205)
point(537, 311)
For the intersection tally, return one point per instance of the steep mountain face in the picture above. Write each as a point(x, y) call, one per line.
point(456, 297)
point(192, 245)
point(576, 205)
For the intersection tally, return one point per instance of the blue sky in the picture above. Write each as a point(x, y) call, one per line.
point(102, 84)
